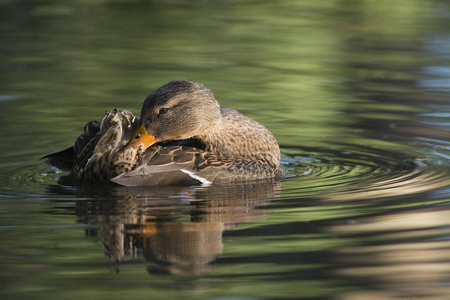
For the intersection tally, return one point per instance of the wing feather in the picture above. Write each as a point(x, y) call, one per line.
point(182, 165)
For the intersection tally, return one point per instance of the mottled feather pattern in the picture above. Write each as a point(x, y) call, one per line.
point(211, 167)
point(102, 157)
point(197, 143)
point(243, 138)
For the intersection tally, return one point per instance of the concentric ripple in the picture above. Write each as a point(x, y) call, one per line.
point(344, 172)
point(26, 179)
point(361, 173)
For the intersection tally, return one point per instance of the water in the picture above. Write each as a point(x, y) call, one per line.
point(356, 92)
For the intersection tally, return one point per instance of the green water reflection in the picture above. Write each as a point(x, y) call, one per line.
point(356, 93)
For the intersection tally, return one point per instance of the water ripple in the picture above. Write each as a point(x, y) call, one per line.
point(354, 173)
point(362, 173)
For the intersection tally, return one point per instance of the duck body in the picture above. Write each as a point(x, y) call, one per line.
point(182, 137)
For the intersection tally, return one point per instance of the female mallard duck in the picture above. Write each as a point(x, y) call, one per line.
point(183, 137)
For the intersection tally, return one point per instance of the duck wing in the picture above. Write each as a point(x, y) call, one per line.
point(96, 154)
point(102, 157)
point(184, 165)
point(162, 166)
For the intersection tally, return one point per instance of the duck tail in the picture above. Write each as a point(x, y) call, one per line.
point(63, 159)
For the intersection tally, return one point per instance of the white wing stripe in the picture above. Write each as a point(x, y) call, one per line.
point(204, 181)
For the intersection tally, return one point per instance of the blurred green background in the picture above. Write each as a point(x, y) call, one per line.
point(355, 88)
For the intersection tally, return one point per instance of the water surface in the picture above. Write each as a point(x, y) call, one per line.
point(356, 93)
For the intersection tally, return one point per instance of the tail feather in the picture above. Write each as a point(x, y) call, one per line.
point(63, 159)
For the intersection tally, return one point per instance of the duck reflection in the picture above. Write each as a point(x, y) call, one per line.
point(178, 229)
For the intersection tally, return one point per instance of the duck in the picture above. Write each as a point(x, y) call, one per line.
point(182, 137)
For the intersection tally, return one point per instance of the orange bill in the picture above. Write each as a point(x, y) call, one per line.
point(141, 137)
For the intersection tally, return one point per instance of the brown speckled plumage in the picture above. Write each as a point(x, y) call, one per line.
point(197, 142)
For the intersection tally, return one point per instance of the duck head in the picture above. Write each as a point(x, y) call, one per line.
point(178, 110)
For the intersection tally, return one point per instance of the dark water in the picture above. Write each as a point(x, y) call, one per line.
point(356, 92)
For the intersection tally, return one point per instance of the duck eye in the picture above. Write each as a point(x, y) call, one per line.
point(162, 111)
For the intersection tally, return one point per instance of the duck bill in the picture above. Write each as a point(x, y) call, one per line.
point(141, 137)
